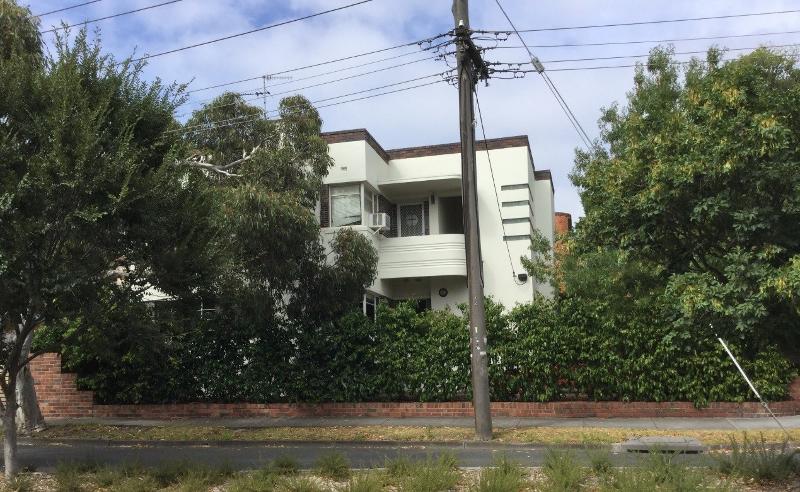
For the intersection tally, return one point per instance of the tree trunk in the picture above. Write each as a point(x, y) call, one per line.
point(29, 414)
point(10, 436)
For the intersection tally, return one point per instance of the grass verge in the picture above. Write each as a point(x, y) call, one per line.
point(542, 435)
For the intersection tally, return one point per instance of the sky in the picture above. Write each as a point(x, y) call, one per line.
point(424, 115)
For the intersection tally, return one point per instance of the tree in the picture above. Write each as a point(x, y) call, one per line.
point(84, 154)
point(700, 176)
point(268, 175)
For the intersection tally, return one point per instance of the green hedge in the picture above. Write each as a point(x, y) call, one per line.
point(543, 351)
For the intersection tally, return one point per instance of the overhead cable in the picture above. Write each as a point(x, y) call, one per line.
point(550, 85)
point(67, 8)
point(657, 21)
point(326, 62)
point(251, 31)
point(243, 119)
point(646, 41)
point(120, 14)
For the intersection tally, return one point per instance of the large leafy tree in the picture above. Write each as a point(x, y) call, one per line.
point(267, 175)
point(271, 289)
point(89, 193)
point(700, 176)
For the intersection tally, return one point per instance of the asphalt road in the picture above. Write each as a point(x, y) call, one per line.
point(46, 455)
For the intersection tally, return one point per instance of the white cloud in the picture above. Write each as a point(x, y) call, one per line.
point(427, 115)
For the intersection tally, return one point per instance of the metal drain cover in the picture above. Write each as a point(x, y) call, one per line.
point(661, 444)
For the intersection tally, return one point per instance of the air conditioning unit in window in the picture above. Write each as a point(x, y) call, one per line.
point(379, 221)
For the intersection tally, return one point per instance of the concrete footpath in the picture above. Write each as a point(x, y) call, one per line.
point(734, 424)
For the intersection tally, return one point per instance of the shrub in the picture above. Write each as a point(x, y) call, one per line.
point(504, 476)
point(20, 483)
point(364, 482)
point(561, 471)
point(758, 460)
point(284, 465)
point(431, 475)
point(546, 350)
point(334, 466)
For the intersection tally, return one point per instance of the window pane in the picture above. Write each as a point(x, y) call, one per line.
point(411, 220)
point(345, 190)
point(346, 210)
point(368, 200)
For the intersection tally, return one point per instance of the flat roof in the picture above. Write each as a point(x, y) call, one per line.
point(358, 134)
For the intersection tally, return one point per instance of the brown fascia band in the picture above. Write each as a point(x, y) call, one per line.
point(359, 134)
point(425, 150)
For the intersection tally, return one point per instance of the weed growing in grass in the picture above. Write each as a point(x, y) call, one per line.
point(334, 466)
point(69, 476)
point(143, 483)
point(20, 483)
point(561, 471)
point(660, 471)
point(188, 476)
point(759, 460)
point(284, 465)
point(599, 461)
point(398, 467)
point(259, 481)
point(364, 482)
point(504, 476)
point(301, 484)
point(431, 475)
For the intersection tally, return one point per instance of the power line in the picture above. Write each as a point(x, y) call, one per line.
point(420, 42)
point(380, 94)
point(67, 8)
point(328, 62)
point(655, 21)
point(645, 41)
point(264, 28)
point(357, 92)
point(259, 91)
point(643, 55)
point(120, 14)
point(381, 87)
point(333, 72)
point(602, 67)
point(494, 184)
point(550, 85)
point(233, 121)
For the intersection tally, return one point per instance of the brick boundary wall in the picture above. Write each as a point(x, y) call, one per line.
point(60, 398)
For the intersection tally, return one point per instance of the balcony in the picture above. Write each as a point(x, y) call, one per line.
point(422, 256)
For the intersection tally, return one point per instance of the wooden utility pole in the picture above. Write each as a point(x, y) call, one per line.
point(470, 68)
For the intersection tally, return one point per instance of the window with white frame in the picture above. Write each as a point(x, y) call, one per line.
point(345, 205)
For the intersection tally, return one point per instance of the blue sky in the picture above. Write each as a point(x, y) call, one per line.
point(426, 115)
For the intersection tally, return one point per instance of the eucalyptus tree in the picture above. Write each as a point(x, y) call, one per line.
point(276, 278)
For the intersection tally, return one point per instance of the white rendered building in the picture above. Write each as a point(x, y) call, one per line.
point(408, 201)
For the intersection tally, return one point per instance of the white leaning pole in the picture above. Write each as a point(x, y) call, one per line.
point(752, 387)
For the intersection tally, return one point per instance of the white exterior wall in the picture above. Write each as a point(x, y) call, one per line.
point(544, 220)
point(420, 266)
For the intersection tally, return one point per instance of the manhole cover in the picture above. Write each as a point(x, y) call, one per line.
point(665, 444)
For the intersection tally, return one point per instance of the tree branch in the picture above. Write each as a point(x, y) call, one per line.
point(200, 162)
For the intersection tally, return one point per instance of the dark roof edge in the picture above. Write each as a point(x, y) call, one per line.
point(455, 147)
point(354, 136)
point(545, 175)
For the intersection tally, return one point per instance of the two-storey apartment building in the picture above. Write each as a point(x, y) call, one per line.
point(408, 201)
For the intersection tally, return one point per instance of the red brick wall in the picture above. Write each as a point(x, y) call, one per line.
point(57, 391)
point(59, 398)
point(794, 389)
point(563, 222)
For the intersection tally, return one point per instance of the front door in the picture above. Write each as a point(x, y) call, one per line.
point(412, 220)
